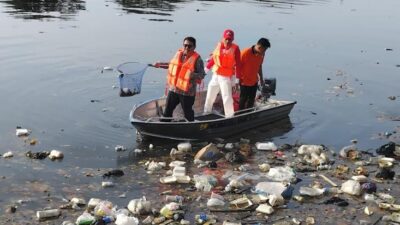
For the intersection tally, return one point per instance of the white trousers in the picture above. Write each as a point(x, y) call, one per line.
point(224, 84)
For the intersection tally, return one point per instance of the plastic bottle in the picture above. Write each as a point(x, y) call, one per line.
point(108, 219)
point(48, 213)
point(85, 219)
point(266, 146)
point(174, 198)
point(202, 217)
point(159, 220)
point(107, 184)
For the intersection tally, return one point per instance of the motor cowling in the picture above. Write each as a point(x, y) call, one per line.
point(268, 89)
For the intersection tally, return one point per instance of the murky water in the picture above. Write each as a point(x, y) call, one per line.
point(340, 60)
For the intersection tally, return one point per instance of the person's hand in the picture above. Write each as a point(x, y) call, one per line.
point(262, 83)
point(157, 65)
point(206, 69)
point(235, 88)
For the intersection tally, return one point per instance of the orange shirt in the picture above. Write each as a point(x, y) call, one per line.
point(250, 66)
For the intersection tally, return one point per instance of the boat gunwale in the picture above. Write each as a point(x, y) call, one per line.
point(137, 120)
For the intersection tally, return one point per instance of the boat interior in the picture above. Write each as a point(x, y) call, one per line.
point(152, 111)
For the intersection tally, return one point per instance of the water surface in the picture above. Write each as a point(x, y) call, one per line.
point(337, 59)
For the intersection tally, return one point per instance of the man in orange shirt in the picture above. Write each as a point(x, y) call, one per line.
point(251, 62)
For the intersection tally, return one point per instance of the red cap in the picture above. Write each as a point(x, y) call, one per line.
point(228, 34)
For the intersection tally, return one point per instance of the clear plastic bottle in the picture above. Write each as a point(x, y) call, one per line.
point(48, 213)
point(174, 198)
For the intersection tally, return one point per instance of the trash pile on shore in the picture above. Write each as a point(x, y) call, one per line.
point(260, 183)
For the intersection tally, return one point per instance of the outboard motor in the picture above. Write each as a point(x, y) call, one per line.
point(268, 89)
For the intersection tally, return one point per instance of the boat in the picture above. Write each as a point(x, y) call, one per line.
point(148, 121)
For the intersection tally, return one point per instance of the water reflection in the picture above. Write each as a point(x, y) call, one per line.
point(43, 9)
point(161, 8)
point(164, 8)
point(60, 9)
point(287, 4)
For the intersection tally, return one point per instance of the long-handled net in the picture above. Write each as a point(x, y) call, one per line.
point(130, 78)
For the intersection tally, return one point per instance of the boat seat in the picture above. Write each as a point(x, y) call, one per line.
point(209, 116)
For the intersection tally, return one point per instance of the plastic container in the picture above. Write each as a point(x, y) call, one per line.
point(107, 184)
point(168, 180)
point(265, 208)
point(351, 187)
point(22, 132)
point(276, 200)
point(184, 147)
point(179, 171)
point(174, 198)
point(266, 146)
point(183, 179)
point(56, 154)
point(177, 163)
point(48, 213)
point(312, 191)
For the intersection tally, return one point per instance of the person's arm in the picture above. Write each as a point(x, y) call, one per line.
point(260, 75)
point(163, 65)
point(210, 63)
point(199, 72)
point(238, 66)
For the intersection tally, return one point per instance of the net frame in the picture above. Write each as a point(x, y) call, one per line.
point(130, 78)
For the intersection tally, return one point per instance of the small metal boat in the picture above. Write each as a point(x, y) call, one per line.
point(148, 121)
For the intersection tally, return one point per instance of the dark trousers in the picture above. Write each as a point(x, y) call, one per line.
point(247, 96)
point(173, 99)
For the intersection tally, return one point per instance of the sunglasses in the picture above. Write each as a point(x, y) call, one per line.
point(187, 46)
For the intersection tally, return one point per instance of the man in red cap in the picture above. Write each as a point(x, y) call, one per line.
point(224, 63)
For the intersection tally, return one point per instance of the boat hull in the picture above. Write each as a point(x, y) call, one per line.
point(205, 128)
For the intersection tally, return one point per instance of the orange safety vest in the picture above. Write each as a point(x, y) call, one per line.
point(179, 72)
point(224, 60)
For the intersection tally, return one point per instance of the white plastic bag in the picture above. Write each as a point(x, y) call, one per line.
point(204, 182)
point(139, 206)
point(123, 219)
point(283, 174)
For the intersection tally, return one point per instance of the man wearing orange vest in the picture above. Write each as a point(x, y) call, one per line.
point(251, 59)
point(225, 63)
point(185, 70)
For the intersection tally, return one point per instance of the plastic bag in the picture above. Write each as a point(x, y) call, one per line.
point(123, 219)
point(204, 182)
point(85, 219)
point(104, 208)
point(285, 174)
point(139, 206)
